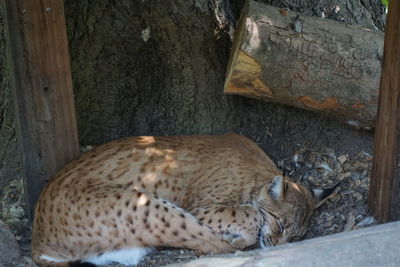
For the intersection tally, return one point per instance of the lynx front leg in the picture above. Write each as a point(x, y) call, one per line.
point(238, 224)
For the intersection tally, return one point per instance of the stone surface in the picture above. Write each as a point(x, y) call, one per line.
point(9, 249)
point(373, 246)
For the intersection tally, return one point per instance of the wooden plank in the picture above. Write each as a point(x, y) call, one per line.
point(42, 84)
point(384, 195)
point(306, 62)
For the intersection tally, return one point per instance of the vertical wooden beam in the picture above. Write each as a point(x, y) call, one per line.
point(41, 79)
point(384, 195)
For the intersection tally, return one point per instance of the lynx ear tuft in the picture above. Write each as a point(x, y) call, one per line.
point(321, 195)
point(276, 188)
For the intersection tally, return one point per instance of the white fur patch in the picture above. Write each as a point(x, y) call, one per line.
point(51, 259)
point(127, 256)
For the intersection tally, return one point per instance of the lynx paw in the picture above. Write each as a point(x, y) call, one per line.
point(236, 240)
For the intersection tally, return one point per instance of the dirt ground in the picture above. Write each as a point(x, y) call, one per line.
point(345, 211)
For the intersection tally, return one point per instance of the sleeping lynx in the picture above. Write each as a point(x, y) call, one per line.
point(209, 193)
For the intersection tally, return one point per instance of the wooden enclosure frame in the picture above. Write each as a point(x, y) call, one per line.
point(46, 123)
point(42, 87)
point(384, 192)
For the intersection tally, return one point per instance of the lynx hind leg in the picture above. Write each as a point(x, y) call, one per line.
point(130, 220)
point(162, 223)
point(239, 224)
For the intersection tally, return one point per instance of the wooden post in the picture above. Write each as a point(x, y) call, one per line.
point(384, 195)
point(42, 85)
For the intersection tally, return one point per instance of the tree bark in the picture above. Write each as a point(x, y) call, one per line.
point(280, 56)
point(172, 83)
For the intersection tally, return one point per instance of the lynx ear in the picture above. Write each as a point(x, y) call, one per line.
point(321, 195)
point(276, 188)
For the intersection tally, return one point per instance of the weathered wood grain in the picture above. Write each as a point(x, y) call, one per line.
point(42, 85)
point(384, 195)
point(306, 62)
